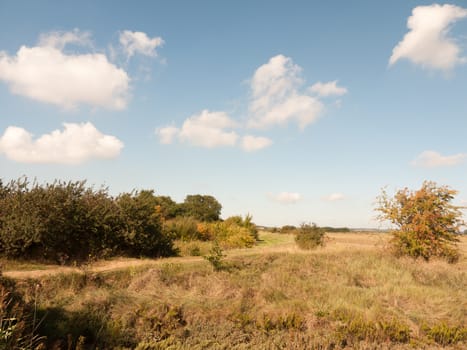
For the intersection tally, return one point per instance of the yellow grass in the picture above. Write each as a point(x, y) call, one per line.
point(351, 293)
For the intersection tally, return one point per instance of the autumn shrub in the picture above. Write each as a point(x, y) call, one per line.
point(231, 235)
point(310, 236)
point(426, 223)
point(246, 222)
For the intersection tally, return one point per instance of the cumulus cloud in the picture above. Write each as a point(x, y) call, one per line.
point(75, 144)
point(285, 197)
point(139, 42)
point(432, 159)
point(428, 42)
point(328, 89)
point(334, 197)
point(46, 73)
point(254, 143)
point(276, 97)
point(207, 129)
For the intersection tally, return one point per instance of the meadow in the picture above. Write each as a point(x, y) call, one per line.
point(351, 293)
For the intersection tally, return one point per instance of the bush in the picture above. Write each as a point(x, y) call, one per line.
point(142, 227)
point(57, 221)
point(66, 221)
point(231, 235)
point(310, 236)
point(184, 228)
point(426, 221)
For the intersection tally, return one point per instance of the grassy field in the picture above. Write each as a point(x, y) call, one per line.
point(349, 294)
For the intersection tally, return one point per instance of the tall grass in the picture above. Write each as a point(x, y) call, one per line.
point(324, 299)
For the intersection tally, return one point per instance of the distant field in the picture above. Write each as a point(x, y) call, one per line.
point(349, 294)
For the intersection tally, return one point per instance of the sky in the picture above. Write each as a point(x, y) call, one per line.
point(291, 111)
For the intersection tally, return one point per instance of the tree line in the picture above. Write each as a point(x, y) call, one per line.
point(70, 221)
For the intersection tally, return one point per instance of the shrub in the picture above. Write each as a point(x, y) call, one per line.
point(184, 228)
point(426, 221)
point(68, 221)
point(230, 235)
point(288, 229)
point(142, 227)
point(56, 221)
point(216, 257)
point(246, 222)
point(310, 236)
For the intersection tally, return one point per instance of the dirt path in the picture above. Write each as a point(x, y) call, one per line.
point(271, 243)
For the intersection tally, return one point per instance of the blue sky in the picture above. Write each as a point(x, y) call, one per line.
point(293, 111)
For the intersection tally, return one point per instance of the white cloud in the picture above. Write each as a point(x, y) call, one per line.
point(285, 197)
point(59, 40)
point(328, 89)
point(254, 143)
point(207, 129)
point(47, 74)
point(167, 134)
point(76, 144)
point(428, 43)
point(334, 197)
point(276, 98)
point(139, 42)
point(432, 159)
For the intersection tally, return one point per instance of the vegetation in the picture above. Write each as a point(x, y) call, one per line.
point(310, 236)
point(68, 222)
point(427, 224)
point(342, 296)
point(202, 208)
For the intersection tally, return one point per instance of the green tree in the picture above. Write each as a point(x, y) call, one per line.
point(167, 207)
point(142, 225)
point(426, 223)
point(202, 207)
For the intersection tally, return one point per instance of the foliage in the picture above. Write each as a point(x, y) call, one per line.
point(246, 222)
point(167, 208)
point(184, 228)
point(310, 236)
point(201, 207)
point(426, 221)
point(216, 257)
point(288, 229)
point(231, 235)
point(17, 321)
point(68, 221)
point(142, 229)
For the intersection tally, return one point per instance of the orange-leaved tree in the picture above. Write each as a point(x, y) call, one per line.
point(426, 221)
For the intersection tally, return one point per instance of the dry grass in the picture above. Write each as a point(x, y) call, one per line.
point(350, 293)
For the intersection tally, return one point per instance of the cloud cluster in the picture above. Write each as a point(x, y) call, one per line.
point(46, 73)
point(285, 197)
point(432, 159)
point(76, 144)
point(139, 42)
point(276, 99)
point(428, 43)
point(210, 129)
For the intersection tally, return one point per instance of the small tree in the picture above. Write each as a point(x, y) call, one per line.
point(426, 221)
